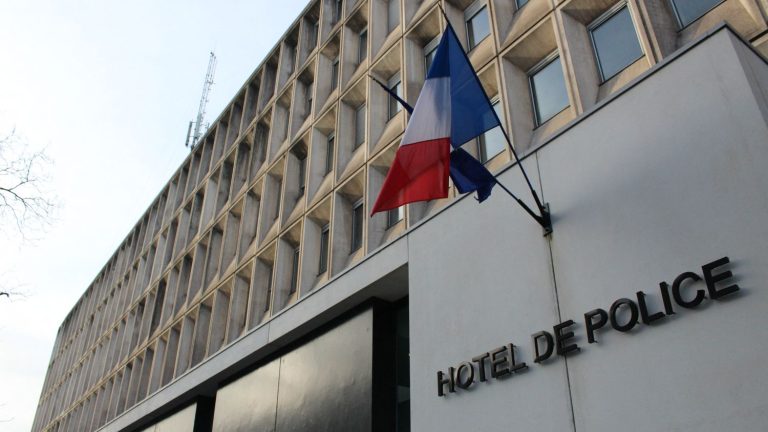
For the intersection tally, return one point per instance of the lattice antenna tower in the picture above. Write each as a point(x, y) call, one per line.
point(192, 138)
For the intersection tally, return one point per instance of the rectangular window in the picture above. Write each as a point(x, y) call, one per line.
point(335, 74)
point(329, 149)
point(393, 14)
point(290, 51)
point(492, 142)
point(286, 118)
point(394, 216)
point(337, 9)
point(277, 199)
point(395, 85)
point(312, 34)
point(308, 99)
point(478, 26)
point(358, 217)
point(322, 266)
point(548, 89)
point(268, 296)
point(294, 271)
point(688, 11)
point(359, 126)
point(520, 3)
point(362, 47)
point(429, 54)
point(262, 133)
point(302, 176)
point(614, 41)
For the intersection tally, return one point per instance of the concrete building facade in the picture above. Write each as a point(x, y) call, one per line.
point(256, 293)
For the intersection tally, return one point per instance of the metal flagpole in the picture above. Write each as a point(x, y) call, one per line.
point(544, 219)
point(541, 220)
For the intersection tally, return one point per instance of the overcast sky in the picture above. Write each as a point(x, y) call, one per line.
point(108, 88)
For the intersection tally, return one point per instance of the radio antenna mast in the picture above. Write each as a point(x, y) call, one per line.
point(192, 138)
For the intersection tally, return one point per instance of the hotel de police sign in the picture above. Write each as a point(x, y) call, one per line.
point(688, 290)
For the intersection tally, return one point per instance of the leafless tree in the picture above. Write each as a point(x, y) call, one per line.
point(24, 200)
point(26, 204)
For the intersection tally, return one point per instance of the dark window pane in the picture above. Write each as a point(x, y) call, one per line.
point(312, 33)
point(689, 11)
point(279, 194)
point(360, 126)
point(521, 3)
point(295, 271)
point(290, 52)
point(329, 149)
point(337, 7)
point(548, 89)
point(616, 44)
point(357, 226)
point(268, 296)
point(362, 49)
point(324, 239)
point(308, 100)
point(302, 175)
point(478, 27)
point(335, 74)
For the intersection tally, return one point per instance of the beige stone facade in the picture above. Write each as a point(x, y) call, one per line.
point(267, 206)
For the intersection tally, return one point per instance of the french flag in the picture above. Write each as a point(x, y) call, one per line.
point(451, 110)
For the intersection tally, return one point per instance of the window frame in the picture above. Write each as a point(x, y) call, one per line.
point(313, 33)
point(292, 51)
point(429, 48)
point(335, 73)
point(359, 138)
point(337, 12)
point(261, 139)
point(399, 211)
point(330, 150)
point(355, 239)
point(602, 19)
point(362, 45)
point(279, 197)
point(294, 288)
point(308, 99)
point(676, 12)
point(541, 65)
point(325, 243)
point(471, 12)
point(270, 275)
point(302, 174)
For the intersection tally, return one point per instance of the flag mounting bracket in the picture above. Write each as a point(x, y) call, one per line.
point(546, 219)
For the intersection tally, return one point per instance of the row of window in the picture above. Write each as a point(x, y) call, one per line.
point(614, 41)
point(478, 27)
point(478, 24)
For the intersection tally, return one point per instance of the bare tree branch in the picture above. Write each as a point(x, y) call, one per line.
point(25, 202)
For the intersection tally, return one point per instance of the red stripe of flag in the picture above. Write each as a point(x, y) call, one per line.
point(418, 173)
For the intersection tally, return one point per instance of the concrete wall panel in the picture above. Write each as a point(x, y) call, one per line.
point(664, 179)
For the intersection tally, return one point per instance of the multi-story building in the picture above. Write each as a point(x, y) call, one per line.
point(257, 294)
